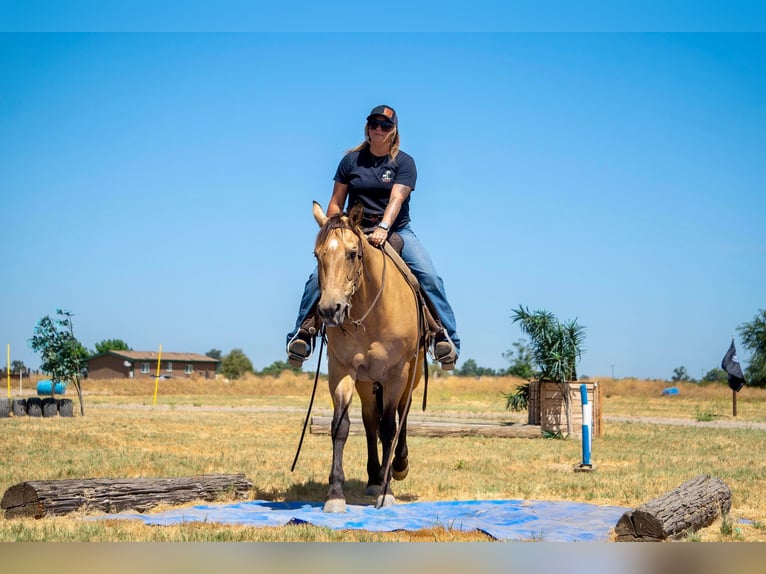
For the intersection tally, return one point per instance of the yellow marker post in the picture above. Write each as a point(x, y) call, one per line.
point(157, 378)
point(9, 370)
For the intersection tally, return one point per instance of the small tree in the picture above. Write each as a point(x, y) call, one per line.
point(715, 376)
point(236, 364)
point(680, 374)
point(18, 367)
point(520, 358)
point(754, 340)
point(62, 354)
point(276, 368)
point(111, 345)
point(556, 348)
point(471, 368)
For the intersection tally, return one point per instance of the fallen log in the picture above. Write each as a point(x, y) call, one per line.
point(321, 425)
point(38, 498)
point(693, 505)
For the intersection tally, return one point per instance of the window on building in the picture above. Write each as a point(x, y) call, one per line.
point(189, 369)
point(145, 368)
point(169, 367)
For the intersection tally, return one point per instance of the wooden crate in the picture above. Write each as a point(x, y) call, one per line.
point(546, 407)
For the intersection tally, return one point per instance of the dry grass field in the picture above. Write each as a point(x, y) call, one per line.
point(253, 426)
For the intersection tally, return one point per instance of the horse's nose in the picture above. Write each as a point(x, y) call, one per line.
point(332, 314)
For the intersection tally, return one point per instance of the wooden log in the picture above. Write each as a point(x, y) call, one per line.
point(38, 498)
point(692, 506)
point(321, 425)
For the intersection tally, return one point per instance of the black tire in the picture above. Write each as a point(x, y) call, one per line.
point(50, 408)
point(5, 408)
point(19, 407)
point(65, 407)
point(35, 407)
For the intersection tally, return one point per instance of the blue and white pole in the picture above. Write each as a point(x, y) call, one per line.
point(587, 423)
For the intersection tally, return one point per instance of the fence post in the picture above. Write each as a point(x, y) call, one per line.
point(586, 434)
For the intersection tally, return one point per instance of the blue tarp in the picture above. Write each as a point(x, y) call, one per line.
point(671, 391)
point(502, 519)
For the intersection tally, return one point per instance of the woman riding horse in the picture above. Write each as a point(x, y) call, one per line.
point(380, 177)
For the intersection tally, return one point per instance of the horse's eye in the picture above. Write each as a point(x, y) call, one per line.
point(351, 254)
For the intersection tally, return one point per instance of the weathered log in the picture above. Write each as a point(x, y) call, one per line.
point(693, 505)
point(38, 498)
point(321, 425)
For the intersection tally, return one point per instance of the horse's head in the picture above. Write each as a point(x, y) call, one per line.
point(338, 251)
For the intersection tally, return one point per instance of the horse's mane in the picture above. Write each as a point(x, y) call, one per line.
point(337, 221)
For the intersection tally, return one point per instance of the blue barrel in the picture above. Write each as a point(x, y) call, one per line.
point(46, 387)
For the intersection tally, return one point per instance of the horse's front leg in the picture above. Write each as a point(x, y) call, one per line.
point(341, 393)
point(369, 393)
point(387, 436)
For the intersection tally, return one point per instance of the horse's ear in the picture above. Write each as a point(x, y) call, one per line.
point(319, 214)
point(356, 213)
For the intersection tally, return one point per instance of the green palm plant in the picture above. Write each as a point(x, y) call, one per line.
point(556, 348)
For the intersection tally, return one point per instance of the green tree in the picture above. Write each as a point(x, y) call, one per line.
point(276, 368)
point(753, 336)
point(63, 356)
point(111, 345)
point(680, 374)
point(556, 348)
point(520, 358)
point(214, 354)
point(18, 367)
point(715, 376)
point(236, 364)
point(471, 369)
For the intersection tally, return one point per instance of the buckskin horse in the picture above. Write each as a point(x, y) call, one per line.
point(373, 331)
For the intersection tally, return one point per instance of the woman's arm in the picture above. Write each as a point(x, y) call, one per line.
point(399, 194)
point(338, 199)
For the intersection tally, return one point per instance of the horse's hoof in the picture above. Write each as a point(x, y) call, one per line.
point(400, 473)
point(387, 500)
point(372, 490)
point(335, 505)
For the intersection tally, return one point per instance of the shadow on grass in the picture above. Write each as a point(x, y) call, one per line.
point(312, 491)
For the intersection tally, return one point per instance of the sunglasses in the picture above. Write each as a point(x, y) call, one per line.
point(385, 125)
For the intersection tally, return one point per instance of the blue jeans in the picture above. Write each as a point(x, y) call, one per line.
point(419, 261)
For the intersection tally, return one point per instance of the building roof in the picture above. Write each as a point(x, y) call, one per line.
point(153, 356)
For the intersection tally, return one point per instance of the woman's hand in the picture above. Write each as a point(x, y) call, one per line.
point(378, 237)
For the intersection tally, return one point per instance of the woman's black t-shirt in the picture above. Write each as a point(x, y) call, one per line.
point(370, 178)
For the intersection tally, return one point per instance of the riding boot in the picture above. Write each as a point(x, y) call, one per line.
point(444, 350)
point(299, 348)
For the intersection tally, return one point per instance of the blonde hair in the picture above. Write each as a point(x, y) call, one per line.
point(392, 152)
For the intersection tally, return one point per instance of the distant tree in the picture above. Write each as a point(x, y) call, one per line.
point(63, 356)
point(680, 374)
point(520, 358)
point(276, 368)
point(111, 345)
point(471, 369)
point(754, 339)
point(214, 354)
point(18, 367)
point(236, 364)
point(715, 376)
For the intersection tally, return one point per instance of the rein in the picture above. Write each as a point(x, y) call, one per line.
point(358, 322)
point(311, 402)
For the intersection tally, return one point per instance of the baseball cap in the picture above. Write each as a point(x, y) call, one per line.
point(386, 111)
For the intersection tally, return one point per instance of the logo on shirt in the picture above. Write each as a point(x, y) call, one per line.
point(387, 176)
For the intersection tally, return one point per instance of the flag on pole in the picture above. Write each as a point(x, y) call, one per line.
point(730, 364)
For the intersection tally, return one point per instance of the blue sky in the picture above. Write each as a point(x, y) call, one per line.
point(159, 186)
